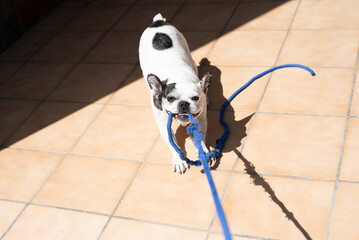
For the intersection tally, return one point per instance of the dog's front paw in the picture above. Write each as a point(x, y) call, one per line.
point(179, 165)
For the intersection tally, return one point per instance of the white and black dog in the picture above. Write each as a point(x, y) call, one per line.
point(172, 76)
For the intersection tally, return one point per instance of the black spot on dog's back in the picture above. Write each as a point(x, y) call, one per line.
point(158, 23)
point(162, 41)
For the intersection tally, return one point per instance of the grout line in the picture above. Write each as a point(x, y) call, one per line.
point(69, 209)
point(32, 150)
point(12, 200)
point(330, 219)
point(161, 223)
point(254, 116)
point(349, 181)
point(104, 157)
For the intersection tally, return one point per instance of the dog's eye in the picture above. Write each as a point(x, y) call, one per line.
point(171, 99)
point(195, 98)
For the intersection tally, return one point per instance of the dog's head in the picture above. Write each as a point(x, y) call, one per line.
point(180, 98)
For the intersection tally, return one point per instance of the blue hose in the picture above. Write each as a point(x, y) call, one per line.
point(193, 128)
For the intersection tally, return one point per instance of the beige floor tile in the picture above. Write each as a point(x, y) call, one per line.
point(263, 15)
point(327, 14)
point(355, 102)
point(127, 229)
point(35, 80)
point(140, 16)
point(350, 164)
point(12, 114)
point(57, 19)
point(23, 172)
point(50, 223)
point(133, 91)
point(294, 145)
point(346, 210)
point(120, 131)
point(279, 208)
point(296, 91)
point(172, 198)
point(8, 212)
point(227, 80)
point(95, 19)
point(116, 47)
point(248, 48)
point(25, 46)
point(68, 47)
point(91, 82)
point(238, 123)
point(200, 44)
point(7, 68)
point(323, 48)
point(54, 126)
point(191, 17)
point(92, 184)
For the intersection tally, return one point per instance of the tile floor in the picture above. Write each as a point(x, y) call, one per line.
point(81, 156)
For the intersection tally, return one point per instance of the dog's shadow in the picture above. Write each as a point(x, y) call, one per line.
point(215, 99)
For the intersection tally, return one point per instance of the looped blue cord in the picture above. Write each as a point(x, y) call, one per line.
point(193, 128)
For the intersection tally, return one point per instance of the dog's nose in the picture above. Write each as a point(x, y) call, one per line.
point(183, 107)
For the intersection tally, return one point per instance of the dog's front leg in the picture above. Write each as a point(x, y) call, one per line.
point(178, 164)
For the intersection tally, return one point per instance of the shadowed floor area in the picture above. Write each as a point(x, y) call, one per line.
point(81, 156)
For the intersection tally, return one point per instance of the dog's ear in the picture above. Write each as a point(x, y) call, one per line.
point(205, 81)
point(157, 88)
point(155, 84)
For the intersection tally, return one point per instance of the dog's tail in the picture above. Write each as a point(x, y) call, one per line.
point(159, 18)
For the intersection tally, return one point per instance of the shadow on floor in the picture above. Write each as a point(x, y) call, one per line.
point(259, 180)
point(98, 91)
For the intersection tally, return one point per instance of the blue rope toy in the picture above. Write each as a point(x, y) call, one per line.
point(193, 129)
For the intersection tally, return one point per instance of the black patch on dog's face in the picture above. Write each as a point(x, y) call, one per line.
point(161, 41)
point(160, 89)
point(158, 23)
point(168, 89)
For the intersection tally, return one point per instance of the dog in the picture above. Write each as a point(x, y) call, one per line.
point(172, 77)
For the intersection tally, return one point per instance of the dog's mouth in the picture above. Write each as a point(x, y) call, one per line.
point(182, 117)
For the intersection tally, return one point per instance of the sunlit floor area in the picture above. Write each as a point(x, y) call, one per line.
point(81, 156)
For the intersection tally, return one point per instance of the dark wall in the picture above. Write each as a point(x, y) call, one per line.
point(17, 16)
